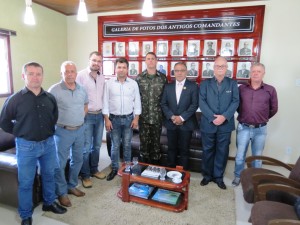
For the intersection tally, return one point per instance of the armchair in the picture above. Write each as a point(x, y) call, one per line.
point(252, 177)
point(280, 210)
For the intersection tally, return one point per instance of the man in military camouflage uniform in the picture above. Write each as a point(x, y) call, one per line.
point(151, 83)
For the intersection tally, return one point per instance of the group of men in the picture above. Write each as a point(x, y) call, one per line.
point(64, 127)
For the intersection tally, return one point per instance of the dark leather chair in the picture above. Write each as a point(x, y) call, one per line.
point(277, 205)
point(252, 177)
point(9, 173)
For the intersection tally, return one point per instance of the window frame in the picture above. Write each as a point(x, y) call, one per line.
point(5, 35)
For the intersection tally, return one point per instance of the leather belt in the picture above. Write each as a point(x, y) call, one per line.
point(120, 116)
point(69, 127)
point(254, 126)
point(95, 112)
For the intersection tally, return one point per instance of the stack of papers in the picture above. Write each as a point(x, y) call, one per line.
point(151, 172)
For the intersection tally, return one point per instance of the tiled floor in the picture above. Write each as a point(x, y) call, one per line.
point(9, 215)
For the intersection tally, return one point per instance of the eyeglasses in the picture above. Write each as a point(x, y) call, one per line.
point(220, 67)
point(177, 71)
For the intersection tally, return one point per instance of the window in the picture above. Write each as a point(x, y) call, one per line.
point(6, 86)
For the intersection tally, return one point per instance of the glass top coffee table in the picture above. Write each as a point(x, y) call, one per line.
point(164, 194)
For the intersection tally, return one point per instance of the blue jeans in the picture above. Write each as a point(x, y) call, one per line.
point(244, 135)
point(93, 133)
point(69, 144)
point(121, 133)
point(29, 154)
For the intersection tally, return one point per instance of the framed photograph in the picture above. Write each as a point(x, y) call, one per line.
point(133, 68)
point(177, 48)
point(245, 47)
point(133, 48)
point(172, 68)
point(193, 68)
point(108, 68)
point(229, 69)
point(227, 47)
point(243, 70)
point(193, 48)
point(162, 67)
point(210, 47)
point(207, 69)
point(120, 49)
point(147, 47)
point(107, 49)
point(162, 48)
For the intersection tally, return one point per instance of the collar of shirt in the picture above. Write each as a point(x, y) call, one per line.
point(182, 82)
point(63, 85)
point(25, 90)
point(249, 85)
point(89, 71)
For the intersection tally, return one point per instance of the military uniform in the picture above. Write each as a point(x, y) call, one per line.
point(150, 121)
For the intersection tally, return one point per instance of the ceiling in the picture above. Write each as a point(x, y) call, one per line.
point(70, 7)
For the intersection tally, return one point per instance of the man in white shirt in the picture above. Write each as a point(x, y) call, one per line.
point(93, 82)
point(121, 110)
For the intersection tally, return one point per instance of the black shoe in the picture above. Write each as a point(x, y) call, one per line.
point(112, 175)
point(55, 208)
point(221, 185)
point(204, 182)
point(27, 221)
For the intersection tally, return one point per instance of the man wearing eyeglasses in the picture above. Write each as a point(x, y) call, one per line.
point(218, 101)
point(180, 118)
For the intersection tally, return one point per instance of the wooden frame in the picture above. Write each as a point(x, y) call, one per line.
point(189, 28)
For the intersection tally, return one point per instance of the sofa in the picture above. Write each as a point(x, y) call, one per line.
point(9, 173)
point(195, 152)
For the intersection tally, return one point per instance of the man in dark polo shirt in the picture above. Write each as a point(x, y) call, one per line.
point(258, 103)
point(31, 115)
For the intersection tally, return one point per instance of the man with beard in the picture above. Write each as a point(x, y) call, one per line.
point(93, 82)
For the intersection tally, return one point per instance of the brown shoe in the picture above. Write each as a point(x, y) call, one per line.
point(65, 201)
point(76, 192)
point(87, 183)
point(99, 175)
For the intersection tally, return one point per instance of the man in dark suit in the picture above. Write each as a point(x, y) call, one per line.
point(208, 72)
point(179, 104)
point(218, 101)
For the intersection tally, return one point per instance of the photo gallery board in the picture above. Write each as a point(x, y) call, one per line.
point(195, 37)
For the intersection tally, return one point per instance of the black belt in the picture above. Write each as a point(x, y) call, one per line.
point(69, 127)
point(254, 126)
point(120, 116)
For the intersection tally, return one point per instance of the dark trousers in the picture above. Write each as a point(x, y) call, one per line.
point(215, 155)
point(150, 140)
point(179, 143)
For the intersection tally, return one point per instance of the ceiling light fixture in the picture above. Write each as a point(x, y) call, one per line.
point(29, 17)
point(147, 10)
point(82, 12)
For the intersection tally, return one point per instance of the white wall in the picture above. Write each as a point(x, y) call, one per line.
point(279, 53)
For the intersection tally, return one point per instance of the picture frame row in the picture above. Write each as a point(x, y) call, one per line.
point(180, 48)
point(204, 69)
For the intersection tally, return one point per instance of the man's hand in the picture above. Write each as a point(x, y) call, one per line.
point(135, 122)
point(108, 124)
point(177, 120)
point(220, 119)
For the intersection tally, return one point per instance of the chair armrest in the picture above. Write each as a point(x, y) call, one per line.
point(283, 222)
point(264, 188)
point(266, 159)
point(259, 179)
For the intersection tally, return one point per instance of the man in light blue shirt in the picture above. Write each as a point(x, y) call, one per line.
point(72, 102)
point(121, 110)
